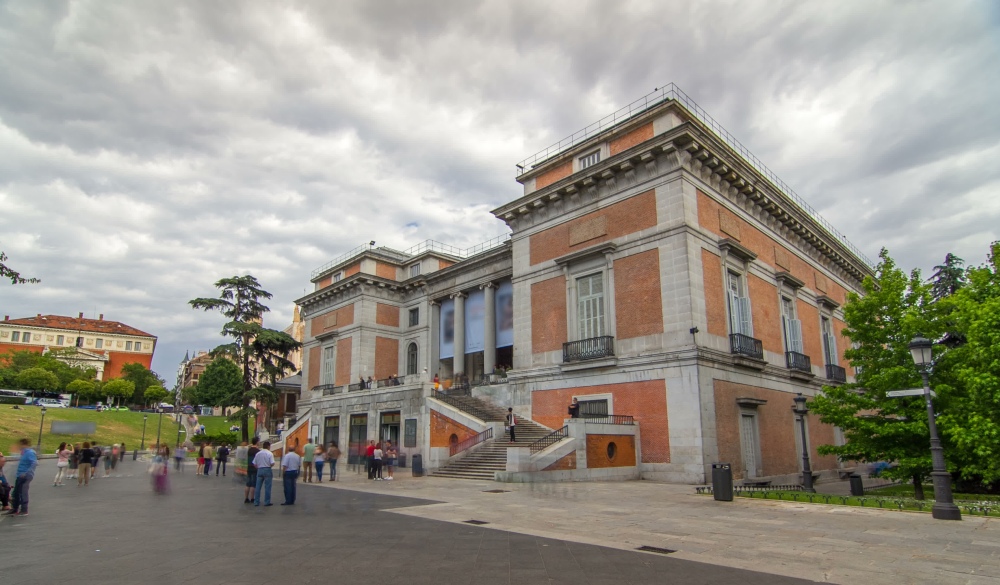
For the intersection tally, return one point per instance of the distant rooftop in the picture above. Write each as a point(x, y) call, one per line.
point(665, 94)
point(78, 324)
point(422, 247)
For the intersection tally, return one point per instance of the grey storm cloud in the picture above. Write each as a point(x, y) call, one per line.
point(152, 148)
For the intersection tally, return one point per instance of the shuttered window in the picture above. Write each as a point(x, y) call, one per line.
point(740, 317)
point(590, 306)
point(791, 326)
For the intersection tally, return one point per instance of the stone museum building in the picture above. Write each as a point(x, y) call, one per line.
point(655, 271)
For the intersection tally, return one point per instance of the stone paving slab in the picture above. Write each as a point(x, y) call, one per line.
point(118, 531)
point(824, 543)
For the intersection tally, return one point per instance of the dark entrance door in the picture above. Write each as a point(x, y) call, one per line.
point(358, 439)
point(331, 431)
point(389, 428)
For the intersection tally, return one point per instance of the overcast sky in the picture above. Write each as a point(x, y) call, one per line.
point(151, 148)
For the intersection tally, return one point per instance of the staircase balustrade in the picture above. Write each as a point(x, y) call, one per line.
point(471, 441)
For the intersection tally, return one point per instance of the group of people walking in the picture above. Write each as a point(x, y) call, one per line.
point(83, 461)
point(207, 454)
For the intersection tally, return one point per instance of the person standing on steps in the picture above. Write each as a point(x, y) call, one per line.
point(209, 454)
point(264, 461)
point(308, 455)
point(221, 457)
point(511, 424)
point(291, 463)
point(390, 458)
point(25, 473)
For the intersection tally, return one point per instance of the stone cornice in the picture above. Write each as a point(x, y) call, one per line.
point(787, 278)
point(734, 248)
point(598, 250)
point(354, 286)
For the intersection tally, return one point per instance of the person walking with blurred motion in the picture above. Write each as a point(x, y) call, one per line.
point(264, 461)
point(121, 454)
point(319, 458)
point(180, 453)
point(221, 458)
point(158, 469)
point(332, 454)
point(308, 456)
point(291, 463)
point(111, 463)
point(98, 451)
point(62, 463)
point(86, 463)
point(4, 486)
point(25, 473)
point(390, 458)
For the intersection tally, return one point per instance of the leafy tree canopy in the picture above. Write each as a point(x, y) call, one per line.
point(14, 276)
point(142, 378)
point(221, 384)
point(948, 278)
point(119, 388)
point(155, 394)
point(37, 379)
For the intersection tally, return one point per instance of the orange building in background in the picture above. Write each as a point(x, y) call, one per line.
point(103, 345)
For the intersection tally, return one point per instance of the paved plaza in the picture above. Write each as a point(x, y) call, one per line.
point(414, 530)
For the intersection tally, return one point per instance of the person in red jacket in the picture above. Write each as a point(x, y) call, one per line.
point(370, 459)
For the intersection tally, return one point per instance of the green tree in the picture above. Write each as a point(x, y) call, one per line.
point(119, 389)
point(37, 379)
point(240, 302)
point(14, 276)
point(81, 389)
point(142, 377)
point(155, 394)
point(948, 278)
point(880, 324)
point(190, 394)
point(221, 384)
point(972, 421)
point(270, 350)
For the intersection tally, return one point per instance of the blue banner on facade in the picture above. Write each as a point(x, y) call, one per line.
point(505, 314)
point(447, 329)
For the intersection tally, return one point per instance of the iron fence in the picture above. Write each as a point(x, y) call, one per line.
point(836, 373)
point(471, 441)
point(611, 419)
point(798, 361)
point(741, 344)
point(588, 349)
point(549, 439)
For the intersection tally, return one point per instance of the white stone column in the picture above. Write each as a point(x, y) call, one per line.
point(434, 351)
point(459, 337)
point(490, 329)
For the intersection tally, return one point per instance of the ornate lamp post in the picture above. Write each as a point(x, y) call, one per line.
point(38, 445)
point(802, 410)
point(944, 507)
point(142, 447)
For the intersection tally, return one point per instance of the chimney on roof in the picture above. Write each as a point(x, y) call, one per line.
point(38, 316)
point(6, 317)
point(81, 316)
point(101, 317)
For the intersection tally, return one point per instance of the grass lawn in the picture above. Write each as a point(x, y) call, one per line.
point(968, 503)
point(112, 427)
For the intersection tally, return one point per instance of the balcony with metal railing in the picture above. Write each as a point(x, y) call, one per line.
point(836, 373)
point(745, 345)
point(798, 361)
point(589, 349)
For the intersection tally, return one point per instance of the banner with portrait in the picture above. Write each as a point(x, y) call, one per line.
point(505, 314)
point(446, 330)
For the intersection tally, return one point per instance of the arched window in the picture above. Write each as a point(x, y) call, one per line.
point(411, 359)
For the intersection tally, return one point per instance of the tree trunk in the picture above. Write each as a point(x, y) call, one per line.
point(918, 487)
point(247, 387)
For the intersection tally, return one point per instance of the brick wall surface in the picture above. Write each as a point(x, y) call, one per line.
point(597, 451)
point(331, 321)
point(715, 293)
point(324, 282)
point(386, 357)
point(627, 141)
point(777, 427)
point(301, 435)
point(646, 401)
point(384, 270)
point(768, 250)
point(442, 428)
point(343, 370)
point(639, 309)
point(352, 270)
point(387, 315)
point(766, 314)
point(548, 314)
point(625, 217)
point(113, 367)
point(554, 174)
point(314, 367)
point(568, 461)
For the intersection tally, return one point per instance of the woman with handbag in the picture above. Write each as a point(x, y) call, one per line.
point(63, 454)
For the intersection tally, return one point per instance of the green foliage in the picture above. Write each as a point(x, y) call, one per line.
point(119, 388)
point(155, 394)
point(893, 309)
point(972, 421)
point(219, 438)
point(82, 389)
point(11, 400)
point(13, 363)
point(221, 384)
point(14, 276)
point(142, 378)
point(948, 278)
point(37, 379)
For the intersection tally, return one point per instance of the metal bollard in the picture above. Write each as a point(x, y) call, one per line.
point(857, 485)
point(135, 454)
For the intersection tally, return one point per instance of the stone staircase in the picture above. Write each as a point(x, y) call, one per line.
point(492, 456)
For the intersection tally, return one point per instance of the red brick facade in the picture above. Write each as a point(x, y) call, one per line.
point(343, 373)
point(637, 287)
point(548, 314)
point(632, 138)
point(442, 428)
point(386, 357)
point(600, 453)
point(387, 315)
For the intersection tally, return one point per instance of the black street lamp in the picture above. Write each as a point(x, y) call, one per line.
point(40, 425)
point(142, 447)
point(159, 423)
point(944, 507)
point(802, 410)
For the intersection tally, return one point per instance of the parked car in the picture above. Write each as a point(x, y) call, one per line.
point(48, 403)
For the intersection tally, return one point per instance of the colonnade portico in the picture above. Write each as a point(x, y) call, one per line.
point(459, 335)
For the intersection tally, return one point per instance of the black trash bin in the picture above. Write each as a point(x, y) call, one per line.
point(857, 485)
point(402, 460)
point(722, 482)
point(418, 465)
point(135, 454)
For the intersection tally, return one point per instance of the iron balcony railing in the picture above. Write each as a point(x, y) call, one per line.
point(328, 389)
point(836, 373)
point(490, 380)
point(549, 439)
point(397, 381)
point(611, 419)
point(740, 344)
point(672, 92)
point(425, 246)
point(798, 361)
point(357, 386)
point(472, 441)
point(588, 349)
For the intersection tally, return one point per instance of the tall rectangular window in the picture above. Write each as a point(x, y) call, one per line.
point(750, 444)
point(415, 270)
point(128, 346)
point(15, 336)
point(328, 364)
point(79, 341)
point(414, 317)
point(740, 318)
point(99, 343)
point(60, 339)
point(792, 327)
point(589, 160)
point(338, 276)
point(590, 306)
point(829, 342)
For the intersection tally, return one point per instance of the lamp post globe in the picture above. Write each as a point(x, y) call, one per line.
point(799, 408)
point(944, 506)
